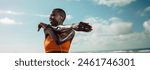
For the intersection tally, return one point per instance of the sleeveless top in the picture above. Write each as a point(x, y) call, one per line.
point(51, 46)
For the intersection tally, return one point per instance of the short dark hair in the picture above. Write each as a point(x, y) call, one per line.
point(61, 12)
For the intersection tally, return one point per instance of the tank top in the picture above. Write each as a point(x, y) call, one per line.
point(51, 46)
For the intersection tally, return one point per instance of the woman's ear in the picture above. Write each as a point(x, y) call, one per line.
point(61, 18)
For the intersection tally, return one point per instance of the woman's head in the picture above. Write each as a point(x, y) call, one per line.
point(57, 16)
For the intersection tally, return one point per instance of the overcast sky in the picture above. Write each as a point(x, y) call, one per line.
point(117, 24)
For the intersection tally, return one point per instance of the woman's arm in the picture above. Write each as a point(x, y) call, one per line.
point(61, 28)
point(82, 26)
point(53, 32)
point(56, 37)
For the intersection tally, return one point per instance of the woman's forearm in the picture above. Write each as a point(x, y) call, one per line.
point(62, 28)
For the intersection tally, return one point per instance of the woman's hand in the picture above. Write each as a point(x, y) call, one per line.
point(42, 25)
point(82, 26)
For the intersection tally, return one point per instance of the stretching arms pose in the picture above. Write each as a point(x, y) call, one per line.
point(58, 37)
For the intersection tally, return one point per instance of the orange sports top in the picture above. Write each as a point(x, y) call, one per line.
point(51, 46)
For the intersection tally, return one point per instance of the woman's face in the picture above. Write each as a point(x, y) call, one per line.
point(55, 18)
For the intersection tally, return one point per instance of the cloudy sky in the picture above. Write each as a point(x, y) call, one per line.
point(117, 24)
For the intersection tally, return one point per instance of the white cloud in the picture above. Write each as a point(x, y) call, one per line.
point(11, 12)
point(7, 20)
point(111, 34)
point(147, 8)
point(115, 3)
point(113, 26)
point(147, 26)
point(119, 26)
point(144, 12)
point(69, 17)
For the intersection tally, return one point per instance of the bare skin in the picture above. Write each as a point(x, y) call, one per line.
point(61, 33)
